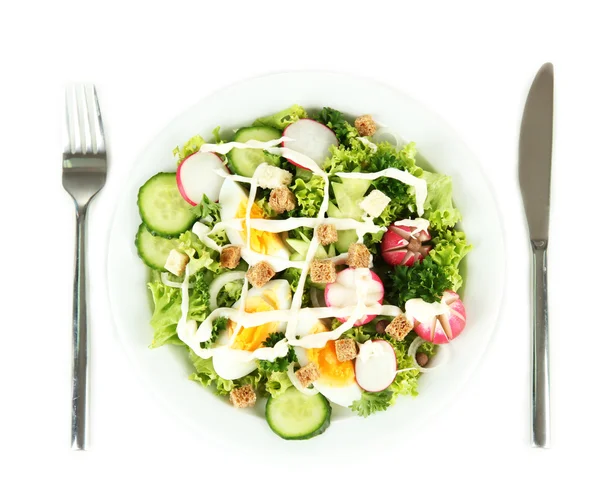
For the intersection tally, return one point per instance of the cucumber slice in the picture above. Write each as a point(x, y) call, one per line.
point(162, 208)
point(244, 162)
point(294, 415)
point(153, 249)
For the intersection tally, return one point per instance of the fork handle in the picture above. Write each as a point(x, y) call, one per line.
point(80, 337)
point(540, 402)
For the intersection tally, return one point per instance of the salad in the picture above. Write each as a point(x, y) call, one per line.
point(307, 261)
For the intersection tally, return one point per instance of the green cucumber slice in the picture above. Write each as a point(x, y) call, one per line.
point(153, 249)
point(244, 161)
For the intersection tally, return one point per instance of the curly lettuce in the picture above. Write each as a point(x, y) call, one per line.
point(167, 309)
point(201, 257)
point(282, 119)
point(309, 194)
point(277, 383)
point(189, 148)
point(450, 247)
point(333, 119)
point(439, 209)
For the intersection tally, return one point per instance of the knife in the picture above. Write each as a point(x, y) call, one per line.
point(535, 161)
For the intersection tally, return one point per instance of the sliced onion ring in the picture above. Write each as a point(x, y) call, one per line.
point(441, 358)
point(314, 298)
point(219, 282)
point(164, 277)
point(294, 379)
point(386, 135)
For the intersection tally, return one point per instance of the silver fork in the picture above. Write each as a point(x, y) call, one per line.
point(84, 174)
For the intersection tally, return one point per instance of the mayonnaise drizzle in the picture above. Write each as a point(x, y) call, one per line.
point(223, 148)
point(419, 225)
point(192, 334)
point(407, 178)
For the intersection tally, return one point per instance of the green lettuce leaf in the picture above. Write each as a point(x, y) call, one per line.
point(450, 248)
point(201, 257)
point(282, 119)
point(167, 309)
point(208, 210)
point(309, 195)
point(205, 375)
point(277, 383)
point(189, 148)
point(439, 209)
point(229, 294)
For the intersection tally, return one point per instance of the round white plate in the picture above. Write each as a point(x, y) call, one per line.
point(166, 369)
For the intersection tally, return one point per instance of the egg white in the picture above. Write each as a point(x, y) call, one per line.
point(233, 195)
point(236, 363)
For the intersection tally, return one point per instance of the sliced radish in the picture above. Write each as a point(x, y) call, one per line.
point(402, 246)
point(376, 365)
point(438, 323)
point(352, 284)
point(196, 177)
point(310, 138)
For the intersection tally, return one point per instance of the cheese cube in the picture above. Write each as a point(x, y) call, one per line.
point(375, 203)
point(270, 177)
point(176, 262)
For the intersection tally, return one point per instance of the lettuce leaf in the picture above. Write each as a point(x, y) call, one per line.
point(167, 309)
point(201, 257)
point(229, 294)
point(282, 119)
point(208, 210)
point(205, 375)
point(277, 383)
point(309, 195)
point(439, 209)
point(189, 148)
point(450, 248)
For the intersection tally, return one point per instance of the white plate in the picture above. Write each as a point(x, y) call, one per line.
point(166, 369)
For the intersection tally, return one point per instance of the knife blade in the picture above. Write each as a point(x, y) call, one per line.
point(535, 164)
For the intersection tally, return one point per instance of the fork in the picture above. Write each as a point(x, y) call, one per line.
point(83, 175)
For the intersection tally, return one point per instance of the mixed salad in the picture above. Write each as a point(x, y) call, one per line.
point(306, 260)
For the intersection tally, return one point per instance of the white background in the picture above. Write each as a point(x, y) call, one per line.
point(470, 61)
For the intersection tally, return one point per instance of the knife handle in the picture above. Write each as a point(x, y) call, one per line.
point(540, 402)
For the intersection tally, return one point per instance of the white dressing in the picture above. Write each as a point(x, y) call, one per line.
point(419, 225)
point(422, 311)
point(223, 148)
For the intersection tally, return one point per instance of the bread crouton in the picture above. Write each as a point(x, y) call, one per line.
point(230, 256)
point(243, 397)
point(176, 262)
point(308, 374)
point(399, 327)
point(327, 234)
point(282, 199)
point(358, 256)
point(345, 349)
point(260, 274)
point(322, 271)
point(365, 125)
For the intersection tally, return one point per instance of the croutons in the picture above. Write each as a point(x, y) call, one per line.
point(358, 256)
point(345, 349)
point(260, 274)
point(282, 199)
point(327, 234)
point(308, 374)
point(399, 327)
point(176, 262)
point(365, 125)
point(230, 256)
point(322, 271)
point(271, 177)
point(375, 203)
point(243, 397)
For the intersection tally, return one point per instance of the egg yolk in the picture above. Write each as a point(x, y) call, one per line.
point(252, 338)
point(263, 242)
point(334, 372)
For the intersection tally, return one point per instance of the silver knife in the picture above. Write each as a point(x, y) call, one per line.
point(535, 161)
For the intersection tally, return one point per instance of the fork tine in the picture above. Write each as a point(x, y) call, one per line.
point(68, 133)
point(98, 127)
point(84, 117)
point(76, 121)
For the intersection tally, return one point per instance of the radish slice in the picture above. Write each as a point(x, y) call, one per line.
point(376, 365)
point(196, 177)
point(403, 244)
point(310, 138)
point(349, 285)
point(438, 323)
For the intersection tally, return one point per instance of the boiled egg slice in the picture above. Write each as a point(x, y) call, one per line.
point(234, 201)
point(337, 382)
point(233, 360)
